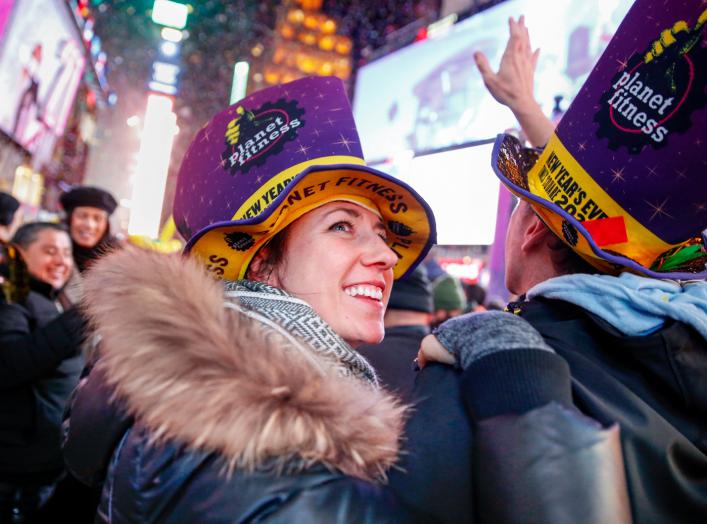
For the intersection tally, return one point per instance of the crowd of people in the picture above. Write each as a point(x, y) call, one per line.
point(307, 360)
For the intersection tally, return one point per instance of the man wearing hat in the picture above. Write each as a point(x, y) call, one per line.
point(407, 321)
point(448, 298)
point(607, 250)
point(87, 212)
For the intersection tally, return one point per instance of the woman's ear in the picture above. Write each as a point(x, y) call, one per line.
point(261, 270)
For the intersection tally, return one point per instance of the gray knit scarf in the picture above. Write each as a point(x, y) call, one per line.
point(297, 322)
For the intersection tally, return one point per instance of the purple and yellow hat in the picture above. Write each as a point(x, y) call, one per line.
point(272, 157)
point(622, 179)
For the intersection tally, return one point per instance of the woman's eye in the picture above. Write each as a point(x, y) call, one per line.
point(384, 237)
point(341, 226)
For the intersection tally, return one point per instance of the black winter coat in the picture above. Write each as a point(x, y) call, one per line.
point(233, 424)
point(653, 387)
point(393, 358)
point(40, 364)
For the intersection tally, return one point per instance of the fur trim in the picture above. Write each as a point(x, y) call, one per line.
point(212, 378)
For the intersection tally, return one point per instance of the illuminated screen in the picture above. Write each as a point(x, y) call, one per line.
point(41, 63)
point(460, 187)
point(430, 95)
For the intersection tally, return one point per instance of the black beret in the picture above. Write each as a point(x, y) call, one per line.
point(8, 205)
point(87, 196)
point(412, 293)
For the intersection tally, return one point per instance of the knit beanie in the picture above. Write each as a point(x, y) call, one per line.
point(412, 293)
point(448, 294)
point(87, 196)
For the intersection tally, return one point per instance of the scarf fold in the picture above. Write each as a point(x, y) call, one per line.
point(298, 322)
point(634, 305)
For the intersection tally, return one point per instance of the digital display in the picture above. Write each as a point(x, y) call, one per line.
point(430, 95)
point(41, 63)
point(460, 187)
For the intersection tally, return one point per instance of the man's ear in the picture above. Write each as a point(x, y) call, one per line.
point(536, 234)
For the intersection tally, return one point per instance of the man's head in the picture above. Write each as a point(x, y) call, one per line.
point(46, 249)
point(449, 298)
point(535, 254)
point(623, 195)
point(9, 218)
point(410, 302)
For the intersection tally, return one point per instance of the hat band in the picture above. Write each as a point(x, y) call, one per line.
point(574, 196)
point(270, 190)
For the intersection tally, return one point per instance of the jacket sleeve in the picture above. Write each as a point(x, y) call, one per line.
point(94, 423)
point(345, 501)
point(27, 354)
point(536, 458)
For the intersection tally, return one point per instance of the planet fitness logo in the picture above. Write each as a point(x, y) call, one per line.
point(656, 92)
point(256, 134)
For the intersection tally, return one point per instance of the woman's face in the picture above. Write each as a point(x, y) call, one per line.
point(88, 225)
point(336, 259)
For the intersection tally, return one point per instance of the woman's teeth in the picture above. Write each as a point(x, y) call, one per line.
point(366, 291)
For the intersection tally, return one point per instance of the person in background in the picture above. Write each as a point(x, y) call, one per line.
point(40, 364)
point(407, 321)
point(88, 210)
point(9, 218)
point(13, 272)
point(475, 297)
point(448, 298)
point(620, 300)
point(245, 400)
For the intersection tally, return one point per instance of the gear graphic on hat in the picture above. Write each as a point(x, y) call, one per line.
point(570, 233)
point(657, 91)
point(399, 228)
point(257, 134)
point(239, 241)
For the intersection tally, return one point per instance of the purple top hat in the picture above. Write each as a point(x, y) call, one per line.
point(275, 155)
point(622, 178)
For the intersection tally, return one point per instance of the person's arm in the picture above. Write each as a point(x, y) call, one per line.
point(536, 458)
point(94, 423)
point(27, 354)
point(512, 85)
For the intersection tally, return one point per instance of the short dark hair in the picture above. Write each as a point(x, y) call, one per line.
point(275, 252)
point(566, 261)
point(27, 234)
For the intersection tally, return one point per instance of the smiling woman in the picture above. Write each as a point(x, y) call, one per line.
point(257, 376)
point(349, 271)
point(88, 210)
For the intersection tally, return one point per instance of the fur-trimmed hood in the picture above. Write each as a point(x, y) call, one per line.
point(212, 378)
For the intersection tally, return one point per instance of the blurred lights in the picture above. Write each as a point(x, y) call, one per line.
point(159, 87)
point(171, 35)
point(165, 73)
point(133, 121)
point(295, 16)
point(169, 48)
point(172, 14)
point(240, 81)
point(152, 166)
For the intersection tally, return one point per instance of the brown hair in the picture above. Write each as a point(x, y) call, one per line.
point(565, 260)
point(274, 252)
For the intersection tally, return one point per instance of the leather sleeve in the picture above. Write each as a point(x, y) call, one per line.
point(550, 465)
point(345, 501)
point(94, 423)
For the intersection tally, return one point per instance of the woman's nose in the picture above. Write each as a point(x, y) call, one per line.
point(378, 253)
